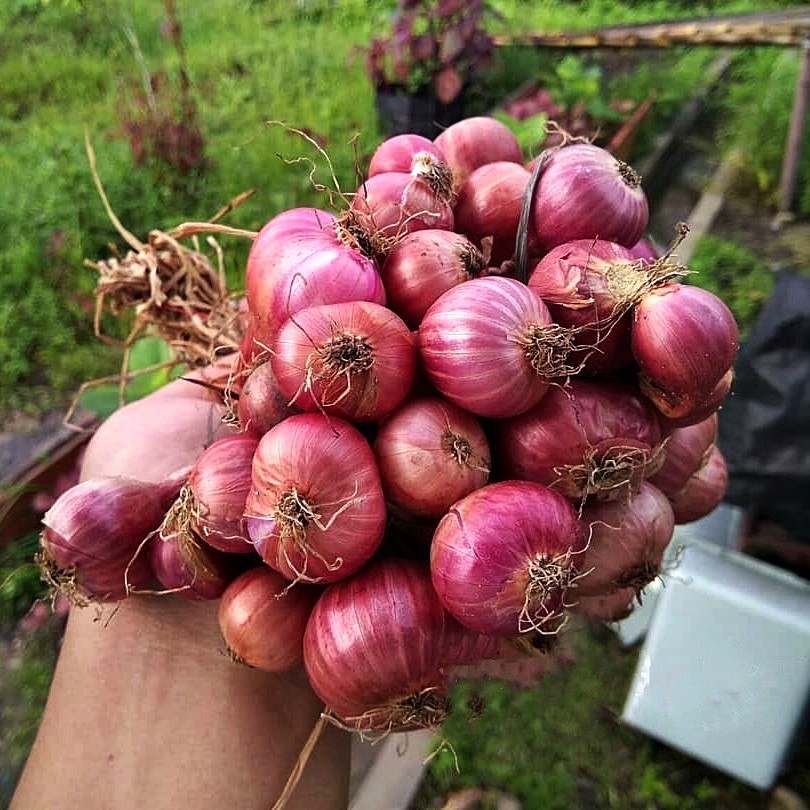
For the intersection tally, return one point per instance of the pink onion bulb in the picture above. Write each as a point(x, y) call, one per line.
point(591, 285)
point(262, 403)
point(627, 541)
point(356, 360)
point(489, 205)
point(263, 620)
point(93, 535)
point(389, 205)
point(684, 340)
point(490, 347)
point(503, 558)
point(301, 258)
point(212, 502)
point(584, 192)
point(184, 565)
point(430, 453)
point(588, 438)
point(687, 449)
point(316, 509)
point(423, 265)
point(612, 607)
point(704, 491)
point(474, 141)
point(401, 153)
point(372, 649)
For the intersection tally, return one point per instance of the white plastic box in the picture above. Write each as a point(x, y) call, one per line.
point(724, 672)
point(723, 527)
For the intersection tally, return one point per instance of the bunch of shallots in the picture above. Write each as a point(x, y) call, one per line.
point(444, 451)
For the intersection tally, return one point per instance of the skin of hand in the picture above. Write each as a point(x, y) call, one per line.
point(145, 709)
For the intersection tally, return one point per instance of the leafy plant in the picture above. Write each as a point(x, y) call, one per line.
point(20, 584)
point(162, 124)
point(735, 274)
point(433, 44)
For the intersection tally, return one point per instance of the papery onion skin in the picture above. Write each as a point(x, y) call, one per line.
point(701, 410)
point(431, 453)
point(398, 153)
point(316, 510)
point(687, 449)
point(262, 403)
point(425, 264)
point(496, 544)
point(613, 607)
point(263, 620)
point(303, 257)
point(644, 249)
point(92, 537)
point(391, 204)
point(373, 641)
point(704, 491)
point(356, 360)
point(489, 205)
point(627, 540)
point(584, 192)
point(474, 141)
point(220, 483)
point(684, 340)
point(472, 342)
point(588, 438)
point(188, 567)
point(590, 285)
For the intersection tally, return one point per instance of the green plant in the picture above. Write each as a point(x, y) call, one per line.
point(433, 44)
point(20, 585)
point(735, 274)
point(162, 122)
point(756, 121)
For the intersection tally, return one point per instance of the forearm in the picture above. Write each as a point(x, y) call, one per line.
point(148, 711)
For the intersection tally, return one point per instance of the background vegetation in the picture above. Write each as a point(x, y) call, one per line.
point(70, 66)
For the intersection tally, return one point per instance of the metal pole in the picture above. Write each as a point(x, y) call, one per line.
point(793, 146)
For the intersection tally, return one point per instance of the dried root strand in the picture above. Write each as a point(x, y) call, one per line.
point(174, 292)
point(548, 578)
point(60, 581)
point(427, 708)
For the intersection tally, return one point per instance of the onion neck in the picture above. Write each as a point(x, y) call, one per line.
point(547, 348)
point(472, 260)
point(631, 178)
point(611, 472)
point(353, 232)
point(60, 581)
point(547, 580)
point(629, 283)
point(294, 514)
point(437, 175)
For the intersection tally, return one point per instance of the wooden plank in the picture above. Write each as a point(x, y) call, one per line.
point(703, 215)
point(54, 455)
point(783, 28)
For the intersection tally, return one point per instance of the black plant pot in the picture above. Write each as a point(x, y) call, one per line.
point(400, 112)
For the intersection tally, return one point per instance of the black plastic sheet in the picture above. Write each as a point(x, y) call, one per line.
point(764, 426)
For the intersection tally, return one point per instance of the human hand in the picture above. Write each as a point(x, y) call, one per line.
point(154, 713)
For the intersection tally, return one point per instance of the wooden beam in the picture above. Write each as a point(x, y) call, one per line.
point(785, 28)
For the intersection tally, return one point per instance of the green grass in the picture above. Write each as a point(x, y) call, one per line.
point(561, 745)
